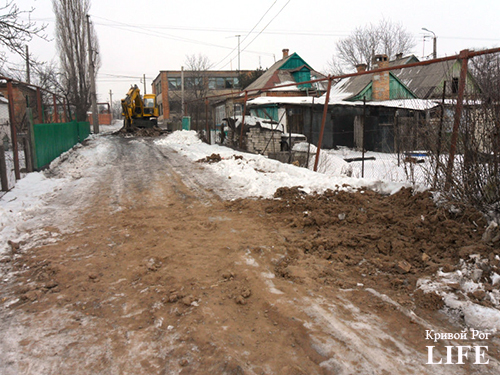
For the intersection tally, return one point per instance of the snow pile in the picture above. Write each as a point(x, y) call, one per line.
point(258, 121)
point(184, 137)
point(21, 204)
point(328, 164)
point(476, 280)
point(258, 176)
point(26, 208)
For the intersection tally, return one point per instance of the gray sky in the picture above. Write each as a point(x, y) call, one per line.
point(136, 41)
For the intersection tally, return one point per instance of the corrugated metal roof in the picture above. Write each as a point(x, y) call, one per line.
point(423, 80)
point(263, 80)
point(420, 80)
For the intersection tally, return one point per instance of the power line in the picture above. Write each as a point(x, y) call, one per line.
point(265, 27)
point(145, 31)
point(246, 36)
point(323, 33)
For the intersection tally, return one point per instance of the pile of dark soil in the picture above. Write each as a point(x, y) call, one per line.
point(141, 132)
point(214, 158)
point(384, 242)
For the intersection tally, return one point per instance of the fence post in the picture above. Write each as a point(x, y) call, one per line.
point(3, 170)
point(440, 136)
point(363, 132)
point(323, 121)
point(13, 129)
point(464, 56)
point(39, 105)
point(243, 119)
point(31, 141)
point(206, 121)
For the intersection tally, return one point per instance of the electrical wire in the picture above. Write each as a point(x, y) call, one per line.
point(246, 36)
point(146, 31)
point(265, 27)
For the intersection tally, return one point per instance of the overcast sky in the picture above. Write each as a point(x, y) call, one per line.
point(137, 40)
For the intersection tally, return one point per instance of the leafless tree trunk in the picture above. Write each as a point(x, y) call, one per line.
point(71, 38)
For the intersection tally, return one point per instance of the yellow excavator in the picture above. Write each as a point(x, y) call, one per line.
point(139, 111)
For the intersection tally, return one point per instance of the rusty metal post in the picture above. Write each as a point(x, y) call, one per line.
point(440, 136)
point(13, 129)
point(243, 119)
point(363, 131)
point(464, 56)
point(31, 138)
point(323, 121)
point(206, 121)
point(39, 105)
point(4, 181)
point(55, 118)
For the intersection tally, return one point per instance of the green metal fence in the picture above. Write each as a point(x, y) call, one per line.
point(51, 140)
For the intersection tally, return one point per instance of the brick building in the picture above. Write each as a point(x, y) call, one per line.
point(167, 87)
point(24, 96)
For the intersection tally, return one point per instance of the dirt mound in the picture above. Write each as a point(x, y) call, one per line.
point(346, 239)
point(141, 132)
point(214, 158)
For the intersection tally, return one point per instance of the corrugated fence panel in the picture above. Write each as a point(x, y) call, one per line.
point(83, 130)
point(51, 140)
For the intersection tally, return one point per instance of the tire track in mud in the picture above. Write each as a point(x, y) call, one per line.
point(163, 277)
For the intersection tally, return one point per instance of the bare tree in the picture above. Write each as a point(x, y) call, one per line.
point(196, 79)
point(72, 44)
point(486, 71)
point(334, 67)
point(15, 33)
point(365, 42)
point(196, 87)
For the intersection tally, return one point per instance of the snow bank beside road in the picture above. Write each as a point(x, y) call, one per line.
point(19, 205)
point(26, 209)
point(257, 176)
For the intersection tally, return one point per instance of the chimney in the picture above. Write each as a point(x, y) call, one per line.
point(285, 53)
point(380, 86)
point(361, 68)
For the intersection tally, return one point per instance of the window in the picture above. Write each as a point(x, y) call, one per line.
point(212, 83)
point(149, 102)
point(174, 83)
point(192, 82)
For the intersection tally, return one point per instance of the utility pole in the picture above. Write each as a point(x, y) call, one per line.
point(93, 95)
point(434, 42)
point(28, 80)
point(111, 104)
point(238, 36)
point(144, 81)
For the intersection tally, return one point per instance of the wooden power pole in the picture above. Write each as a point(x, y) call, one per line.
point(93, 95)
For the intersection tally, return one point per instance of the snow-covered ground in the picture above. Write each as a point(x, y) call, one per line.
point(261, 176)
point(249, 175)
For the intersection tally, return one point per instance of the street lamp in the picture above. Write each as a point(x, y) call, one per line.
point(434, 43)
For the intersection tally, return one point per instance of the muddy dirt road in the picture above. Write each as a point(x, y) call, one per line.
point(161, 276)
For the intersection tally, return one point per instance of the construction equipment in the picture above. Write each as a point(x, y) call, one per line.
point(139, 111)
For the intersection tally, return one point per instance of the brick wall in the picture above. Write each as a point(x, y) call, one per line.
point(259, 138)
